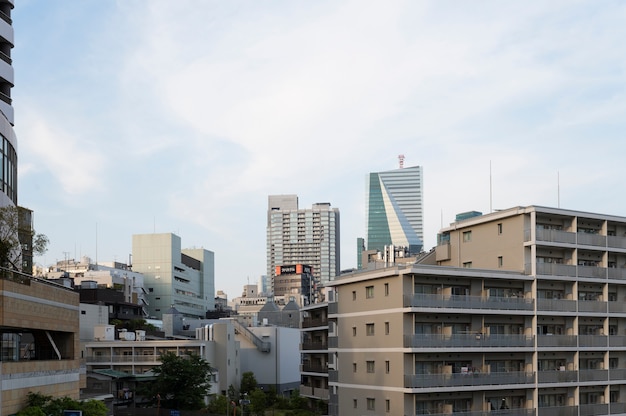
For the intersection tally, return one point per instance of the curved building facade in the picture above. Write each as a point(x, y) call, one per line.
point(8, 165)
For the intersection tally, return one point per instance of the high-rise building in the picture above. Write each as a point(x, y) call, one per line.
point(302, 236)
point(174, 277)
point(521, 312)
point(394, 209)
point(8, 176)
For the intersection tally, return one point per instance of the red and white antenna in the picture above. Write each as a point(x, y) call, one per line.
point(401, 161)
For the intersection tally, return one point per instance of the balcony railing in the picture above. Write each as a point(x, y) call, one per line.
point(593, 341)
point(592, 306)
point(590, 239)
point(333, 376)
point(467, 340)
point(124, 359)
point(333, 307)
point(554, 236)
point(502, 412)
point(557, 341)
point(557, 376)
point(314, 368)
point(558, 411)
point(556, 305)
point(592, 271)
point(333, 342)
point(314, 345)
point(314, 322)
point(314, 392)
point(468, 379)
point(593, 375)
point(594, 409)
point(556, 269)
point(468, 302)
point(615, 242)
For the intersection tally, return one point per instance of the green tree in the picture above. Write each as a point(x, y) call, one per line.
point(248, 383)
point(182, 382)
point(258, 402)
point(39, 404)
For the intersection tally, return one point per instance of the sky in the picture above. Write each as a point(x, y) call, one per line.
point(142, 116)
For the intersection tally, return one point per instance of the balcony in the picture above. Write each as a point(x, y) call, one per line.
point(557, 341)
point(591, 239)
point(553, 236)
point(595, 272)
point(592, 306)
point(123, 359)
point(558, 411)
point(468, 302)
point(615, 242)
point(468, 379)
point(556, 305)
point(314, 345)
point(618, 274)
point(601, 341)
point(555, 269)
point(314, 392)
point(593, 409)
point(314, 368)
point(557, 376)
point(468, 340)
point(314, 322)
point(593, 375)
point(503, 412)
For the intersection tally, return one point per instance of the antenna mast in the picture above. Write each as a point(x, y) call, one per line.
point(401, 161)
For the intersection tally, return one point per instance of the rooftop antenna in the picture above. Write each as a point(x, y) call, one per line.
point(401, 161)
point(490, 190)
point(558, 189)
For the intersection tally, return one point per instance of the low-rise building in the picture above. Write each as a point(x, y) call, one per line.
point(39, 322)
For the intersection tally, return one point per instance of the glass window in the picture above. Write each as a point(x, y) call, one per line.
point(467, 236)
point(369, 329)
point(371, 403)
point(370, 366)
point(369, 292)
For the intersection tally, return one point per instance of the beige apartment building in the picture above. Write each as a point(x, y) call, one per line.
point(520, 312)
point(40, 343)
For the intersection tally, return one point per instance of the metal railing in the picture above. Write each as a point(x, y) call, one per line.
point(468, 302)
point(468, 340)
point(468, 379)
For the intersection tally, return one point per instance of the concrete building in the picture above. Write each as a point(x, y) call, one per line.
point(395, 213)
point(40, 340)
point(272, 354)
point(175, 277)
point(118, 366)
point(523, 314)
point(302, 236)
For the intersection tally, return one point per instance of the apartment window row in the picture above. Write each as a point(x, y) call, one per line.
point(370, 329)
point(369, 292)
point(370, 366)
point(371, 404)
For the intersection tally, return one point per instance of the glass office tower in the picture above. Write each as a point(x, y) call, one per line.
point(394, 209)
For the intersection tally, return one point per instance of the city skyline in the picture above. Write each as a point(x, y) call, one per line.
point(135, 118)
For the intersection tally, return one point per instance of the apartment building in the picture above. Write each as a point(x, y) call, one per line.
point(522, 314)
point(314, 355)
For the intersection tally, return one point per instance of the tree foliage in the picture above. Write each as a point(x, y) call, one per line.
point(248, 383)
point(12, 225)
point(42, 405)
point(181, 382)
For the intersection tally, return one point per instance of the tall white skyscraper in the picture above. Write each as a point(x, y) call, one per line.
point(302, 236)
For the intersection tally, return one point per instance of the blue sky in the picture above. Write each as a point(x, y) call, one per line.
point(142, 116)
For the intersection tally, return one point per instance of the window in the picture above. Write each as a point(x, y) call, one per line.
point(387, 366)
point(371, 403)
point(467, 264)
point(354, 403)
point(354, 331)
point(369, 329)
point(386, 328)
point(386, 289)
point(369, 292)
point(499, 261)
point(354, 367)
point(354, 295)
point(387, 406)
point(500, 228)
point(467, 236)
point(83, 312)
point(370, 366)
